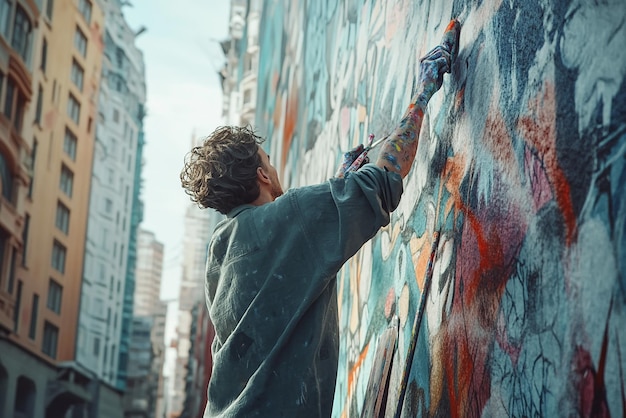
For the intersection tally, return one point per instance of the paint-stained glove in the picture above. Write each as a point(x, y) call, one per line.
point(438, 61)
point(351, 160)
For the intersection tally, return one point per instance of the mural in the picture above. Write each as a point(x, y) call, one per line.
point(511, 235)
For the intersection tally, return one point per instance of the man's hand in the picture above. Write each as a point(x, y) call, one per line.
point(398, 151)
point(349, 158)
point(437, 62)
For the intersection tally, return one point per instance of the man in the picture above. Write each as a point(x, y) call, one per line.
point(272, 263)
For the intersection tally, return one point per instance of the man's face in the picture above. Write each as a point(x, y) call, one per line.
point(276, 190)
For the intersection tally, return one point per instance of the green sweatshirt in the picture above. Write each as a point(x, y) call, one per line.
point(271, 294)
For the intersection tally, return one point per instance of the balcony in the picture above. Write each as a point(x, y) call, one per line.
point(10, 220)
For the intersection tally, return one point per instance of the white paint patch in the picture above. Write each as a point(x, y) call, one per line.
point(593, 43)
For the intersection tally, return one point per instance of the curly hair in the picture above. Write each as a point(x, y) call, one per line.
point(222, 172)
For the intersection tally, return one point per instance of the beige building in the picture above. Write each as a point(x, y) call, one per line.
point(148, 274)
point(50, 68)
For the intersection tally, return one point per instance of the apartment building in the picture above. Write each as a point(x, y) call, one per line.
point(50, 64)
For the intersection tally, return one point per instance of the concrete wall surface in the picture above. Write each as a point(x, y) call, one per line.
point(517, 198)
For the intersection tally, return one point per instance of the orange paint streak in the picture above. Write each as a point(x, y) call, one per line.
point(459, 98)
point(277, 111)
point(354, 370)
point(539, 130)
point(291, 120)
point(453, 173)
point(420, 253)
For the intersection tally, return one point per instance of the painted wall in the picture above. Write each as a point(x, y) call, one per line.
point(517, 194)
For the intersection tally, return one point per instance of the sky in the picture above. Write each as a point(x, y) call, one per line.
point(184, 98)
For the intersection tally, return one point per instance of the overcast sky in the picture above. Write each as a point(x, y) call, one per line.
point(184, 96)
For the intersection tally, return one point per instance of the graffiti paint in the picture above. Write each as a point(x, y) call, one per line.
point(520, 172)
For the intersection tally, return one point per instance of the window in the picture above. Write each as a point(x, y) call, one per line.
point(12, 270)
point(6, 179)
point(80, 42)
point(50, 339)
point(32, 330)
point(84, 6)
point(77, 74)
point(19, 112)
point(55, 294)
point(44, 55)
point(108, 206)
point(8, 100)
point(96, 346)
point(69, 144)
point(73, 109)
point(116, 115)
point(67, 180)
point(14, 103)
point(21, 33)
point(247, 96)
point(5, 13)
point(63, 218)
point(49, 9)
point(39, 107)
point(33, 156)
point(25, 238)
point(18, 307)
point(58, 256)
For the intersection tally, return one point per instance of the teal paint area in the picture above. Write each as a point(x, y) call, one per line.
point(517, 197)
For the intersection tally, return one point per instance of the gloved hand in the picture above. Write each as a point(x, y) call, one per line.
point(438, 61)
point(349, 158)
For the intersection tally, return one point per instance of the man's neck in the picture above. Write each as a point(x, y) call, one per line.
point(264, 197)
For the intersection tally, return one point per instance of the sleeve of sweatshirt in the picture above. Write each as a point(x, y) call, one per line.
point(341, 215)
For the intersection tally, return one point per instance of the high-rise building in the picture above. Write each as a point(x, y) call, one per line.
point(148, 274)
point(50, 70)
point(144, 388)
point(115, 209)
point(199, 226)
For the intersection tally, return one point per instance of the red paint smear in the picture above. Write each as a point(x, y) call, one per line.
point(497, 139)
point(291, 119)
point(539, 130)
point(488, 247)
point(459, 98)
point(390, 303)
point(592, 399)
point(542, 193)
point(416, 115)
point(513, 350)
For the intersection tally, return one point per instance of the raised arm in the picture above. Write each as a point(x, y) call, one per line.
point(398, 151)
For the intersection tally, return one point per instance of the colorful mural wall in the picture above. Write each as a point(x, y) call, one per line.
point(516, 201)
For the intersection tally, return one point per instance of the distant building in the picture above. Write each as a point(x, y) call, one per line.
point(115, 208)
point(199, 226)
point(148, 272)
point(138, 399)
point(144, 389)
point(199, 364)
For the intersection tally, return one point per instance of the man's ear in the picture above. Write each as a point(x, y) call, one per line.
point(262, 176)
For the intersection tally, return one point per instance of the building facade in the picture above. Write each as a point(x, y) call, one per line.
point(115, 209)
point(50, 62)
point(145, 384)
